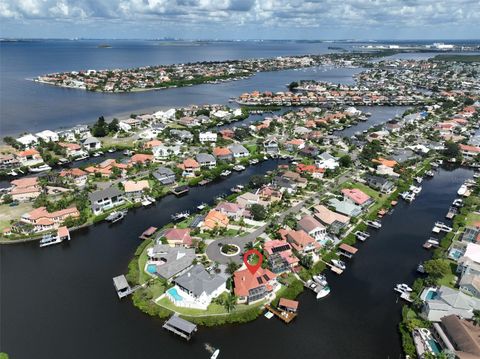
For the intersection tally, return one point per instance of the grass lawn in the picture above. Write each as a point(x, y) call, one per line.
point(473, 218)
point(449, 279)
point(119, 141)
point(143, 277)
point(8, 213)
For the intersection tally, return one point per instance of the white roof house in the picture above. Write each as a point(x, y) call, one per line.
point(48, 136)
point(27, 139)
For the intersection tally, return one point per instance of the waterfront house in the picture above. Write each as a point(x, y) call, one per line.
point(168, 262)
point(162, 152)
point(42, 220)
point(270, 146)
point(279, 255)
point(327, 161)
point(238, 151)
point(189, 167)
point(8, 160)
point(294, 145)
point(223, 153)
point(164, 175)
point(269, 194)
point(30, 157)
point(152, 143)
point(333, 220)
point(444, 301)
point(300, 240)
point(75, 175)
point(25, 189)
point(134, 190)
point(458, 336)
point(72, 149)
point(314, 228)
point(383, 170)
point(381, 184)
point(106, 199)
point(196, 288)
point(83, 131)
point(385, 162)
point(47, 136)
point(470, 283)
point(246, 199)
point(470, 256)
point(206, 160)
point(215, 219)
point(469, 152)
point(91, 144)
point(231, 210)
point(141, 159)
point(345, 207)
point(312, 170)
point(227, 134)
point(208, 136)
point(178, 237)
point(182, 135)
point(28, 140)
point(129, 124)
point(357, 196)
point(254, 287)
point(471, 234)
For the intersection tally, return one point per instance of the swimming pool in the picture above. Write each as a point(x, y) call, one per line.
point(435, 347)
point(152, 268)
point(431, 294)
point(173, 292)
point(455, 254)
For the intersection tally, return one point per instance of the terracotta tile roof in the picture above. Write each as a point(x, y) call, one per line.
point(356, 195)
point(221, 151)
point(215, 219)
point(385, 162)
point(179, 235)
point(245, 281)
point(141, 158)
point(30, 152)
point(132, 186)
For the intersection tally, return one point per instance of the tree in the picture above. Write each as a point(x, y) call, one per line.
point(345, 161)
point(100, 128)
point(476, 317)
point(452, 149)
point(307, 261)
point(257, 181)
point(437, 268)
point(258, 212)
point(249, 245)
point(293, 85)
point(230, 302)
point(232, 267)
point(113, 126)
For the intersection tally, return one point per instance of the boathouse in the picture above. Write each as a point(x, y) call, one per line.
point(347, 250)
point(180, 326)
point(288, 305)
point(121, 286)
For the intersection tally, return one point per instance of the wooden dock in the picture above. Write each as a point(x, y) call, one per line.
point(285, 316)
point(334, 269)
point(178, 191)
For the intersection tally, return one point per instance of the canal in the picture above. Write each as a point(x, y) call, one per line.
point(59, 302)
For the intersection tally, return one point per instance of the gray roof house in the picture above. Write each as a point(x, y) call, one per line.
point(439, 303)
point(345, 207)
point(164, 175)
point(470, 284)
point(171, 261)
point(182, 134)
point(92, 143)
point(105, 199)
point(380, 183)
point(238, 150)
point(206, 160)
point(198, 282)
point(270, 145)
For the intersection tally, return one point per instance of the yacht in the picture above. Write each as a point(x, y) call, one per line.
point(323, 292)
point(458, 202)
point(403, 287)
point(180, 215)
point(225, 173)
point(362, 236)
point(239, 168)
point(215, 354)
point(462, 190)
point(320, 279)
point(111, 150)
point(430, 173)
point(374, 224)
point(339, 264)
point(419, 179)
point(41, 168)
point(415, 189)
point(116, 216)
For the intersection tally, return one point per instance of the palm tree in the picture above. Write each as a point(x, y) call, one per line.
point(232, 267)
point(476, 317)
point(230, 302)
point(249, 245)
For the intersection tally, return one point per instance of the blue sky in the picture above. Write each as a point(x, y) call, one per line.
point(241, 19)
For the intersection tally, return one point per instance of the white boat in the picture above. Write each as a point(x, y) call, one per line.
point(215, 354)
point(82, 157)
point(146, 202)
point(225, 173)
point(408, 196)
point(111, 150)
point(253, 162)
point(458, 202)
point(41, 168)
point(63, 160)
point(462, 190)
point(419, 179)
point(323, 292)
point(430, 173)
point(238, 168)
point(180, 215)
point(320, 279)
point(96, 154)
point(128, 153)
point(442, 227)
point(403, 287)
point(362, 236)
point(49, 239)
point(420, 268)
point(415, 189)
point(12, 173)
point(433, 242)
point(374, 224)
point(116, 216)
point(339, 264)
point(202, 206)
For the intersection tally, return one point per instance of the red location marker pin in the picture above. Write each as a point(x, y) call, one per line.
point(252, 267)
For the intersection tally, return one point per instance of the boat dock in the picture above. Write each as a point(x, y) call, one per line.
point(121, 286)
point(347, 250)
point(178, 191)
point(404, 295)
point(334, 269)
point(284, 315)
point(452, 212)
point(148, 233)
point(441, 227)
point(180, 326)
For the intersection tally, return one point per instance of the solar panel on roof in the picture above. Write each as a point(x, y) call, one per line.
point(266, 277)
point(259, 280)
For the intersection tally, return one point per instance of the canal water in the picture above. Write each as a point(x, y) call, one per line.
point(59, 302)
